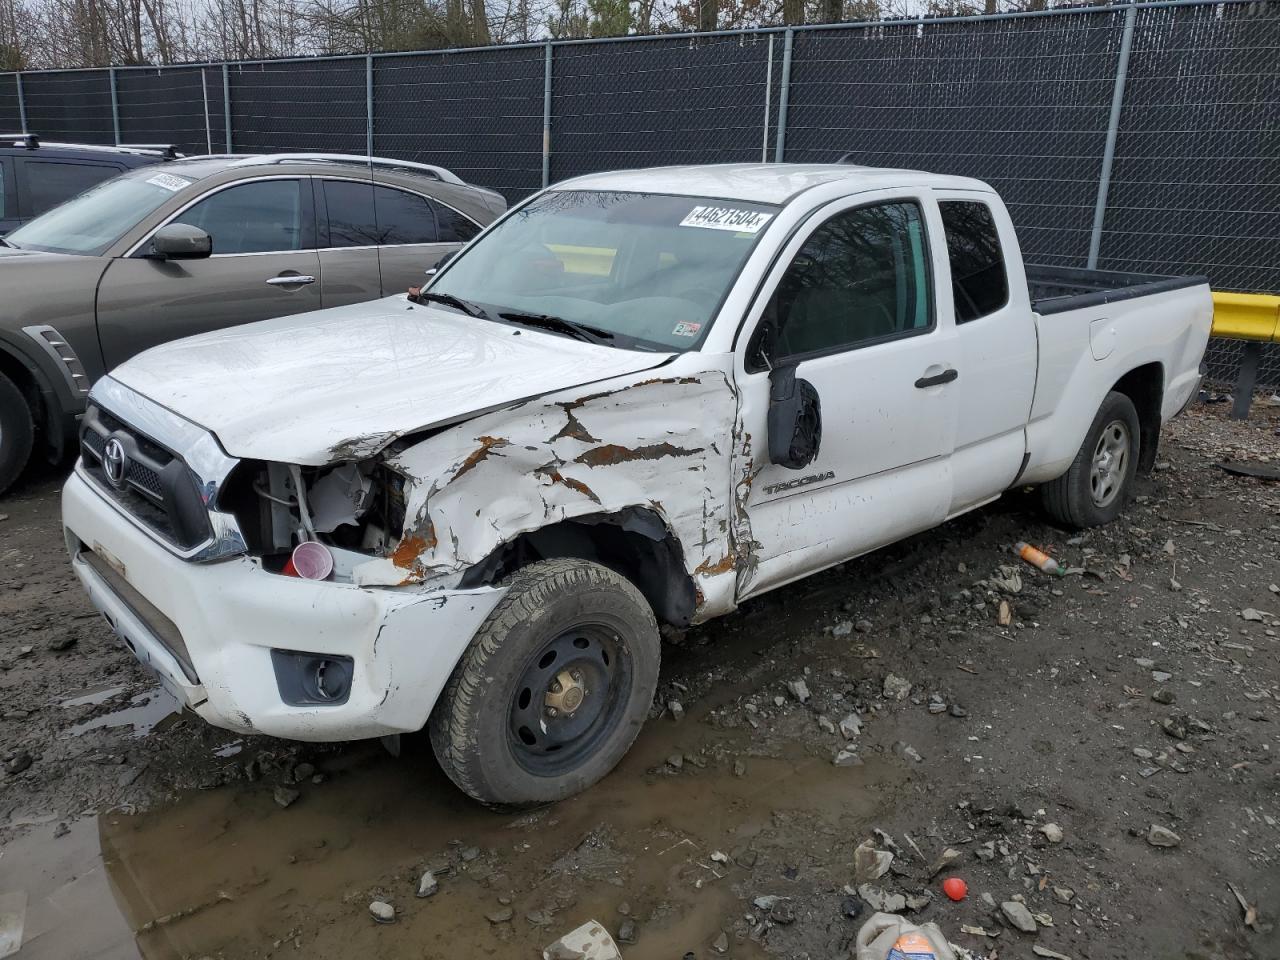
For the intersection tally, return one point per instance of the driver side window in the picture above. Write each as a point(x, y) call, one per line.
point(862, 277)
point(261, 217)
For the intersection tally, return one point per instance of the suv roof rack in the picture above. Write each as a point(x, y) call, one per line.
point(30, 141)
point(440, 173)
point(167, 150)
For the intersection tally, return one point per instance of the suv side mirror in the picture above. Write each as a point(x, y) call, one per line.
point(432, 271)
point(794, 419)
point(180, 241)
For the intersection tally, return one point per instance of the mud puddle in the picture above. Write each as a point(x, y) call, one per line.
point(64, 902)
point(229, 873)
point(145, 712)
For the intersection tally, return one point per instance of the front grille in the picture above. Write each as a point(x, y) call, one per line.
point(155, 486)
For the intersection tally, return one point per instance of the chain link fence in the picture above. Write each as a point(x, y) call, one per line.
point(1140, 137)
point(477, 112)
point(178, 105)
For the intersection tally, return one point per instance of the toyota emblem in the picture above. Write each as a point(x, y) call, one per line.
point(113, 462)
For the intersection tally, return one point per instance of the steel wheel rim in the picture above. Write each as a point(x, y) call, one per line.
point(551, 731)
point(1110, 465)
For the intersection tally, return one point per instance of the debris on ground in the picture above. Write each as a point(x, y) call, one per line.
point(886, 937)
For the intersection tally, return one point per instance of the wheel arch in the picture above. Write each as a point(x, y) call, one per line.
point(633, 541)
point(1144, 385)
point(41, 399)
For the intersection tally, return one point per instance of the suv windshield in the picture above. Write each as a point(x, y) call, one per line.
point(97, 218)
point(652, 270)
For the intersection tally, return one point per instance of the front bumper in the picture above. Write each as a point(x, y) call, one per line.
point(208, 629)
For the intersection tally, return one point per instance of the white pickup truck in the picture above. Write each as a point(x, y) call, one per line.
point(638, 398)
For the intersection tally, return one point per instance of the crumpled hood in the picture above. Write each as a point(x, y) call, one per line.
point(342, 383)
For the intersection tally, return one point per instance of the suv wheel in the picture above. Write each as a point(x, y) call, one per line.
point(553, 688)
point(1099, 483)
point(16, 432)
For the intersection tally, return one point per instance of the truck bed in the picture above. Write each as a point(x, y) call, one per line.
point(1058, 289)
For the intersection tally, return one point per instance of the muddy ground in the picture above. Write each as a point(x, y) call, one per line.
point(1040, 754)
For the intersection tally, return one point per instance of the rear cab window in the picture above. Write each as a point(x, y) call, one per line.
point(979, 282)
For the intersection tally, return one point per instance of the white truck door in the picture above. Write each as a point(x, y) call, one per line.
point(996, 336)
point(850, 306)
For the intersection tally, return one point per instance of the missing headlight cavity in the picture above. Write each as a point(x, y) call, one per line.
point(354, 506)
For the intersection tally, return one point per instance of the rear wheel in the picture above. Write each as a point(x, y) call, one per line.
point(553, 689)
point(17, 432)
point(1099, 483)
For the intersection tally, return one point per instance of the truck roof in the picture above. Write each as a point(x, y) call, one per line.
point(760, 182)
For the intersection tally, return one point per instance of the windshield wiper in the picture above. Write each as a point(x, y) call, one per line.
point(449, 300)
point(579, 331)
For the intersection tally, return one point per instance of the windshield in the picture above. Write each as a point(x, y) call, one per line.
point(652, 270)
point(97, 218)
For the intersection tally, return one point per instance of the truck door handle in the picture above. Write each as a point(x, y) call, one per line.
point(292, 280)
point(946, 376)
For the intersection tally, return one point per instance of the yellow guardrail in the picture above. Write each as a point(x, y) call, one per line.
point(1246, 316)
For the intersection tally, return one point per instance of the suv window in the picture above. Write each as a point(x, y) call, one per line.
point(454, 227)
point(50, 182)
point(404, 217)
point(362, 215)
point(979, 283)
point(862, 276)
point(350, 208)
point(262, 217)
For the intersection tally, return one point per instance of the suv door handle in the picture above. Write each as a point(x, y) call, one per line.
point(946, 376)
point(293, 280)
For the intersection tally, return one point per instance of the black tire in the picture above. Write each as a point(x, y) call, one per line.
point(17, 433)
point(481, 729)
point(1072, 499)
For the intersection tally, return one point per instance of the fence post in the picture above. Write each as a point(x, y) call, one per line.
point(768, 103)
point(1113, 129)
point(780, 146)
point(115, 106)
point(368, 105)
point(226, 105)
point(546, 117)
point(22, 103)
point(204, 91)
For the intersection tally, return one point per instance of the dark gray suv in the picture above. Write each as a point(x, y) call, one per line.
point(168, 251)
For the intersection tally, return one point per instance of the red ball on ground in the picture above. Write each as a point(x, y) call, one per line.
point(955, 888)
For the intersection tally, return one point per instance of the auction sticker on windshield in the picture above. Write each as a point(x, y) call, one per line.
point(169, 182)
point(726, 218)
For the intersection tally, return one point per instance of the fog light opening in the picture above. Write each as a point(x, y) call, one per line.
point(312, 679)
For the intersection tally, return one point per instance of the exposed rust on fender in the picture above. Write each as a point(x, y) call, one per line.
point(413, 546)
point(557, 477)
point(649, 383)
point(711, 567)
point(612, 453)
point(573, 429)
point(487, 444)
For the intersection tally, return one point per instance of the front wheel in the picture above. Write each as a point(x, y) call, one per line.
point(553, 688)
point(16, 432)
point(1099, 483)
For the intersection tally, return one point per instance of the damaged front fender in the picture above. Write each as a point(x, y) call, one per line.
point(663, 443)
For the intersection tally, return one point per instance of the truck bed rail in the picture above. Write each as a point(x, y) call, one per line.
point(1058, 289)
